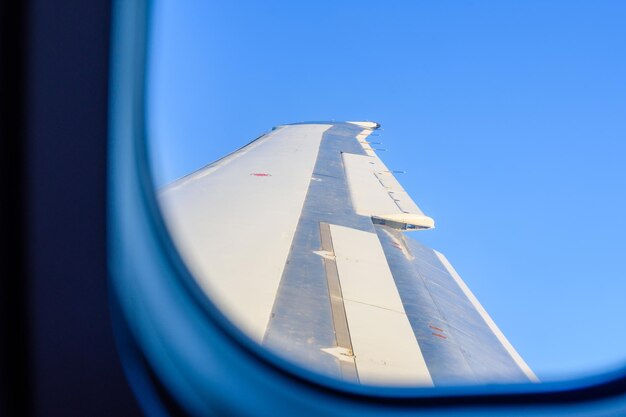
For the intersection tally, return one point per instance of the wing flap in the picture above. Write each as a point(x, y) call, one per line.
point(375, 192)
point(385, 349)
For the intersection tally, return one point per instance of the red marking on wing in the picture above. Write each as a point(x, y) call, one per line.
point(439, 335)
point(260, 174)
point(436, 328)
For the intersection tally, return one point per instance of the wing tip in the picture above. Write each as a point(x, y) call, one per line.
point(366, 124)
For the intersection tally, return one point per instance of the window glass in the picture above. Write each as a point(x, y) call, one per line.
point(507, 120)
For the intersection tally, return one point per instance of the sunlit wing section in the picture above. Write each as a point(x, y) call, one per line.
point(298, 238)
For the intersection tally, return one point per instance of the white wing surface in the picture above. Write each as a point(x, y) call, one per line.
point(299, 238)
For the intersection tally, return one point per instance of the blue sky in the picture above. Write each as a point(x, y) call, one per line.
point(508, 117)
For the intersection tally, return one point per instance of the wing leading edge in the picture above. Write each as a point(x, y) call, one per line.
point(298, 238)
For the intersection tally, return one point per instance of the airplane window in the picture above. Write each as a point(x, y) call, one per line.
point(483, 247)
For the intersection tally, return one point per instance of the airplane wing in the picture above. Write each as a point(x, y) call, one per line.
point(299, 238)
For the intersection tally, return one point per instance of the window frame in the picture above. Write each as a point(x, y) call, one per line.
point(242, 377)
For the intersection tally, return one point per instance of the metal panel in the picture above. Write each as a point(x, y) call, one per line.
point(235, 226)
point(369, 195)
point(457, 343)
point(385, 348)
point(375, 192)
point(302, 327)
point(443, 356)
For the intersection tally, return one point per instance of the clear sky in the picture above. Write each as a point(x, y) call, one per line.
point(509, 118)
